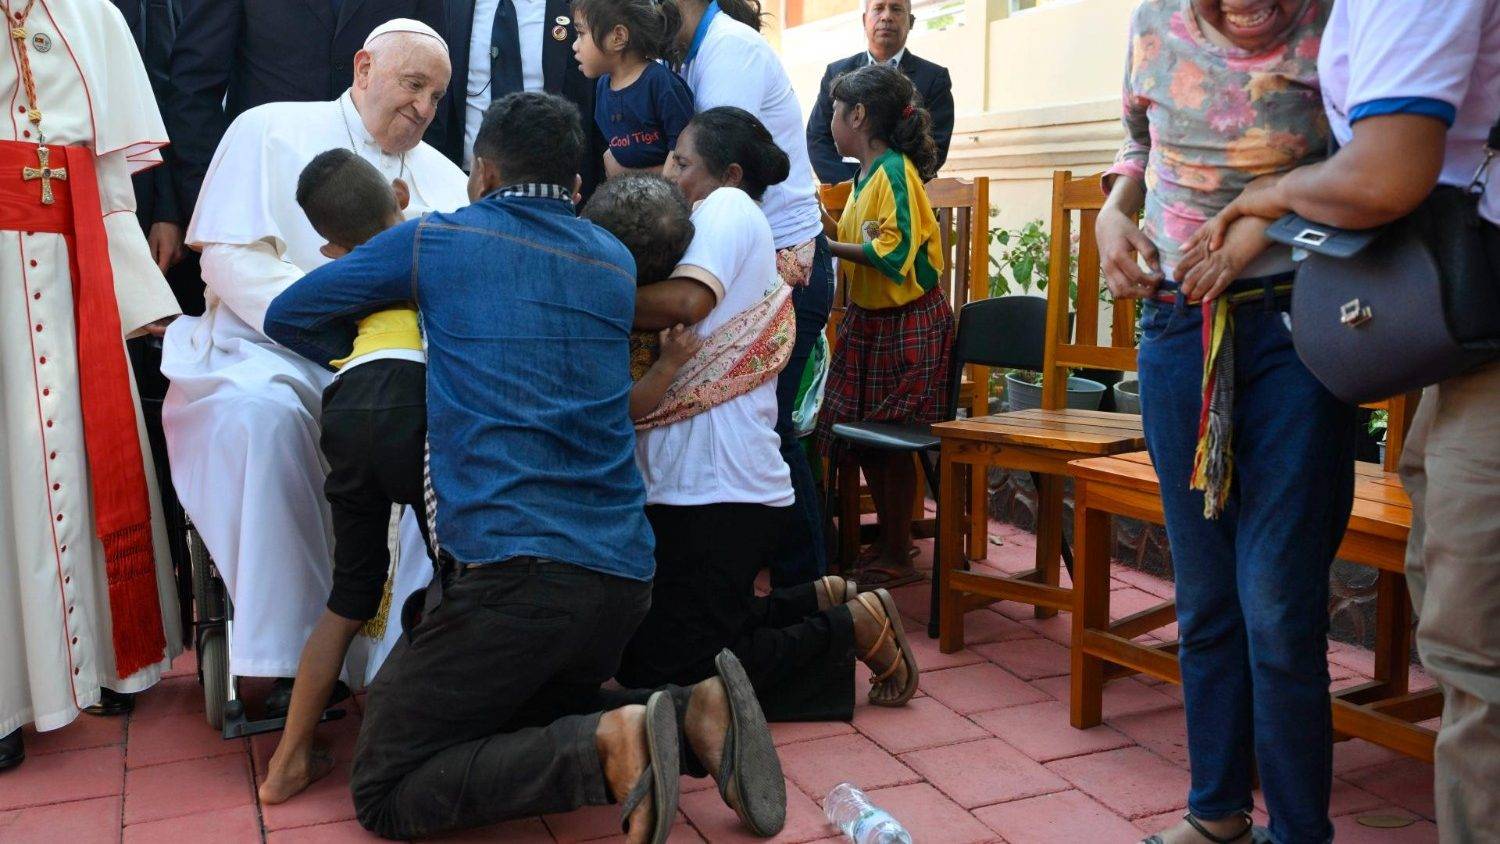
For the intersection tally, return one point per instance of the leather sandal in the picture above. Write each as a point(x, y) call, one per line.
point(845, 592)
point(659, 779)
point(750, 771)
point(1251, 833)
point(884, 608)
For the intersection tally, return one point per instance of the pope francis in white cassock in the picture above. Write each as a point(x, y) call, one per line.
point(87, 598)
point(242, 413)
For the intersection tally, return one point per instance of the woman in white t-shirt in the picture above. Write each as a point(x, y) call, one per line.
point(728, 63)
point(1412, 90)
point(718, 494)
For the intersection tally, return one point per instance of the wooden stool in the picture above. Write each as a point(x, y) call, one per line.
point(1383, 711)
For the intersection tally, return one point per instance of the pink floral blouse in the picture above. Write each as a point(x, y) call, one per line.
point(1203, 120)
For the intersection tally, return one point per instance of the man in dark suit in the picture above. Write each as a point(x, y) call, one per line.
point(232, 55)
point(500, 47)
point(887, 23)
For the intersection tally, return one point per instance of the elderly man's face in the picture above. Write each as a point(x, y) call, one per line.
point(399, 81)
point(887, 23)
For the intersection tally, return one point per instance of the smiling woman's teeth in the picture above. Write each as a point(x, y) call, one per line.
point(1248, 21)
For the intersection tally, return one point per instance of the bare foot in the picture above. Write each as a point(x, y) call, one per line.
point(867, 626)
point(886, 567)
point(292, 771)
point(624, 754)
point(1233, 828)
point(706, 722)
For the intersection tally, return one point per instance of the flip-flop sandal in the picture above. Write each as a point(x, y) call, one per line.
point(660, 778)
point(891, 626)
point(1252, 833)
point(846, 592)
point(750, 771)
point(875, 577)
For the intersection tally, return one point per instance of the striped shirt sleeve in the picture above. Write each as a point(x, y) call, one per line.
point(888, 236)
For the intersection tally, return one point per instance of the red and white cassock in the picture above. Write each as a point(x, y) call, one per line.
point(58, 638)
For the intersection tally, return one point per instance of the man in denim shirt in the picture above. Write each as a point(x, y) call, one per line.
point(491, 707)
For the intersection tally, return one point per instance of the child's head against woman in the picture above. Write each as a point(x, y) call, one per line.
point(877, 107)
point(613, 34)
point(726, 147)
point(347, 200)
point(649, 216)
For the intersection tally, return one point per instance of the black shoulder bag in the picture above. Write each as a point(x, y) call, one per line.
point(1380, 312)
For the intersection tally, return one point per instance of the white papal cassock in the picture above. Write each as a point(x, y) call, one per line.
point(242, 413)
point(56, 649)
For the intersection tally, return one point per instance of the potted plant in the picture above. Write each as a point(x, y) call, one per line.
point(1023, 256)
point(1128, 396)
point(1379, 422)
point(1024, 389)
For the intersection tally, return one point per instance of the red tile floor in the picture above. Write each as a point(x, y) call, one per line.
point(985, 754)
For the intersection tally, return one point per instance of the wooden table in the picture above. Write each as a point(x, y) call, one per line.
point(1383, 710)
point(1040, 441)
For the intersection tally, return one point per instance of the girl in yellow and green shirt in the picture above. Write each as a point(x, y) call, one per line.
point(891, 361)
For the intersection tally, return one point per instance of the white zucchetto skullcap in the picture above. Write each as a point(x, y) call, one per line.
point(405, 25)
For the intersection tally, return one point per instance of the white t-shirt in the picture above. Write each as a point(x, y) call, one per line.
point(530, 17)
point(1435, 57)
point(730, 453)
point(735, 66)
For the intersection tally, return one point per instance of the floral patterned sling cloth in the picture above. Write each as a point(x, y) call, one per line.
point(744, 353)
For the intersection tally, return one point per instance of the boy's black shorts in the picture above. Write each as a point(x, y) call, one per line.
point(374, 429)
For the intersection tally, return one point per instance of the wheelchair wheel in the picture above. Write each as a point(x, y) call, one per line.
point(213, 665)
point(208, 592)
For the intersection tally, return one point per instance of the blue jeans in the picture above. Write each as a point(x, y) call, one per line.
point(803, 557)
point(1252, 585)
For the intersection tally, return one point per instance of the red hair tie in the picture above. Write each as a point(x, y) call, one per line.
point(908, 111)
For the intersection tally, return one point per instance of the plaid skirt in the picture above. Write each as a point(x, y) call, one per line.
point(889, 365)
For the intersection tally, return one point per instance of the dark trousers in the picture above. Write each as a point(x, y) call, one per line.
point(800, 660)
point(487, 709)
point(802, 555)
point(1252, 585)
point(374, 427)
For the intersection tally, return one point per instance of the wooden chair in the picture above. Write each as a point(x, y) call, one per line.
point(1383, 710)
point(1039, 441)
point(962, 207)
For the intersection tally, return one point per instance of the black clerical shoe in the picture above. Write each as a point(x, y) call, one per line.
point(12, 750)
point(112, 703)
point(280, 698)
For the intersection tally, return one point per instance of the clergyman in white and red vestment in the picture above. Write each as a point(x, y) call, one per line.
point(87, 598)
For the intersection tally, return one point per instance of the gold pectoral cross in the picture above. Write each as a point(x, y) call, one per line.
point(45, 173)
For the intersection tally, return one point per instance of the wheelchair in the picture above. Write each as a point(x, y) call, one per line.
point(213, 624)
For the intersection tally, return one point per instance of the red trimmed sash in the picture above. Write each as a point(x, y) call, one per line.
point(122, 509)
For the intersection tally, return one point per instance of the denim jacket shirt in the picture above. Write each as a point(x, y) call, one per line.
point(527, 313)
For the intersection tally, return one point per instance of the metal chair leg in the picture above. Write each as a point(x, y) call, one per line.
point(931, 471)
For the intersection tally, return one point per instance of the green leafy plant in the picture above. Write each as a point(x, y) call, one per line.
point(1022, 256)
point(1379, 421)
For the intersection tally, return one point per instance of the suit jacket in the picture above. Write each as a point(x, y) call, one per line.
point(232, 55)
point(933, 84)
point(560, 75)
point(154, 25)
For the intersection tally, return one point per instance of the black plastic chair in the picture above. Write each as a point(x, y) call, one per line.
point(1007, 332)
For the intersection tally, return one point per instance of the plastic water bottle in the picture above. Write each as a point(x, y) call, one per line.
point(865, 823)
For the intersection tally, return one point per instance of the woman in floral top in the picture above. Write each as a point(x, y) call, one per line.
point(1255, 457)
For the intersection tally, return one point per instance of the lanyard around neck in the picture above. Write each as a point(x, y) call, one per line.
point(702, 31)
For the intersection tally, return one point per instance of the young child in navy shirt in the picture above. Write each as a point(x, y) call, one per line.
point(641, 105)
